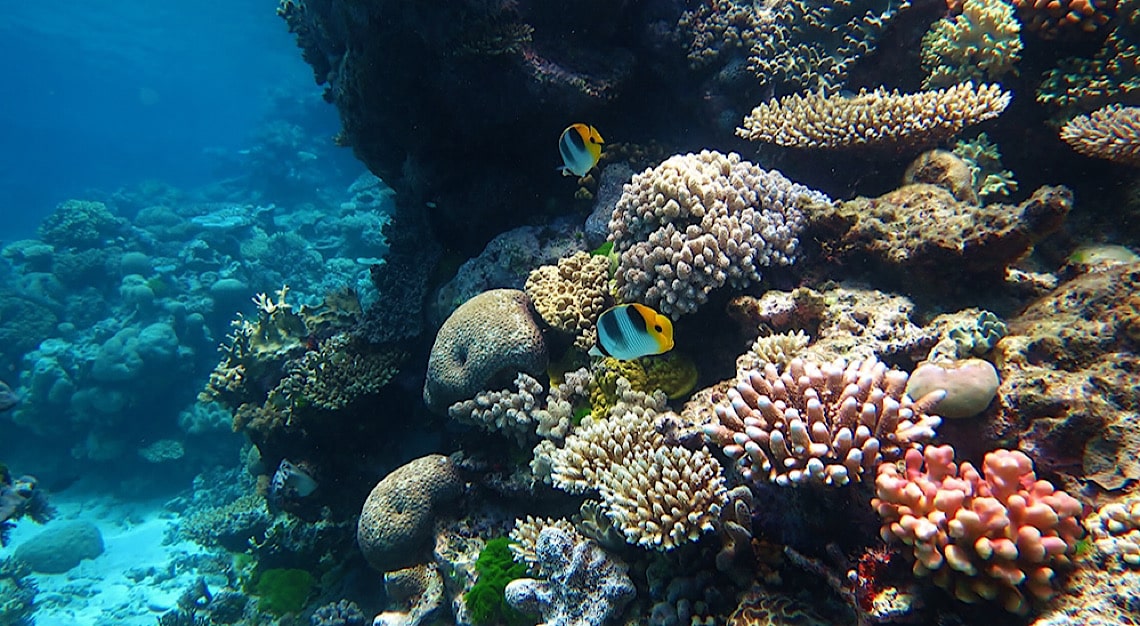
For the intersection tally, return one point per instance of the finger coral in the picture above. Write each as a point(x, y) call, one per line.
point(880, 118)
point(982, 43)
point(1111, 132)
point(572, 294)
point(700, 221)
point(994, 534)
point(826, 424)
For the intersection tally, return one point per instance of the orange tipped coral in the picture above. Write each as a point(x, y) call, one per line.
point(1053, 19)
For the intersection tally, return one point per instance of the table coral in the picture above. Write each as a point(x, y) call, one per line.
point(396, 520)
point(1111, 132)
point(582, 586)
point(700, 221)
point(995, 534)
point(489, 336)
point(980, 43)
point(878, 118)
point(826, 424)
point(572, 294)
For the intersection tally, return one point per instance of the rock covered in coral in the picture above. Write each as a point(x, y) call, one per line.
point(417, 593)
point(698, 222)
point(943, 169)
point(996, 534)
point(582, 585)
point(920, 236)
point(395, 524)
point(970, 385)
point(829, 424)
point(489, 337)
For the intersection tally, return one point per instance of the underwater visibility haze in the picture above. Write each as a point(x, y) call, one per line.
point(591, 313)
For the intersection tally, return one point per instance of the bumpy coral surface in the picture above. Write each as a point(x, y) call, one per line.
point(921, 235)
point(995, 534)
point(583, 585)
point(489, 336)
point(1115, 528)
point(879, 118)
point(396, 521)
point(1111, 132)
point(1109, 76)
point(512, 413)
point(572, 294)
point(826, 424)
point(981, 43)
point(700, 221)
point(1065, 18)
point(658, 495)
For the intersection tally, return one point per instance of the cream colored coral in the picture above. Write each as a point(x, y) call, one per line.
point(1111, 132)
point(524, 538)
point(572, 294)
point(1115, 528)
point(512, 413)
point(657, 495)
point(981, 43)
point(777, 349)
point(873, 118)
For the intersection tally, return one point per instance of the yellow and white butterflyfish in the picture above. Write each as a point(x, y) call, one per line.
point(581, 147)
point(631, 331)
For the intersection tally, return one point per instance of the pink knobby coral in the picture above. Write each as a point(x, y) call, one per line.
point(825, 424)
point(993, 535)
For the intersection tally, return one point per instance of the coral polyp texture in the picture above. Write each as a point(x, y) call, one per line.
point(878, 118)
point(828, 424)
point(658, 495)
point(1108, 76)
point(1115, 528)
point(1111, 132)
point(981, 43)
point(700, 221)
point(997, 534)
point(571, 295)
point(1052, 19)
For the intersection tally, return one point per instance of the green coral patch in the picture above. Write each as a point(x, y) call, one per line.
point(283, 591)
point(485, 602)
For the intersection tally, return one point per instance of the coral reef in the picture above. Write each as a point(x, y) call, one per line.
point(700, 221)
point(1109, 76)
point(582, 585)
point(17, 593)
point(511, 413)
point(1115, 528)
point(990, 179)
point(489, 337)
point(946, 170)
point(396, 520)
point(340, 613)
point(997, 534)
point(826, 424)
point(921, 236)
point(1111, 132)
point(571, 295)
point(981, 43)
point(417, 593)
point(879, 118)
point(1065, 19)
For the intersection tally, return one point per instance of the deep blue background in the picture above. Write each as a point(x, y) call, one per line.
point(105, 93)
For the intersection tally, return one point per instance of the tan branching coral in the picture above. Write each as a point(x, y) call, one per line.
point(511, 413)
point(700, 221)
point(659, 496)
point(829, 424)
point(880, 118)
point(572, 294)
point(982, 43)
point(1115, 528)
point(1111, 132)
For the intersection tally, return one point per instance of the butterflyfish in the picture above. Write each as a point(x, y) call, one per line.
point(631, 331)
point(581, 147)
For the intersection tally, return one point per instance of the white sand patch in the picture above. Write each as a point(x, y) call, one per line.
point(98, 591)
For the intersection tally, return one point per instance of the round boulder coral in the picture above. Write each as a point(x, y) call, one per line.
point(491, 336)
point(396, 521)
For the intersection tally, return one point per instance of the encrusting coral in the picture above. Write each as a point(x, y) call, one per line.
point(981, 43)
point(994, 534)
point(878, 118)
point(1111, 132)
point(572, 294)
point(700, 221)
point(826, 424)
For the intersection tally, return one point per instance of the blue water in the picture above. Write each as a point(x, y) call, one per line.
point(107, 93)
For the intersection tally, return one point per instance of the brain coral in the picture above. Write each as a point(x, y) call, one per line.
point(700, 221)
point(396, 521)
point(571, 295)
point(490, 336)
point(873, 118)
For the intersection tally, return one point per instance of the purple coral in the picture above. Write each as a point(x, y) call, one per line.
point(825, 424)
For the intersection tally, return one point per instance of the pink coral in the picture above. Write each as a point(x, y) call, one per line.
point(999, 532)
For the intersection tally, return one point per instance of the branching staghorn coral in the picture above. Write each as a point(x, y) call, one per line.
point(1111, 132)
point(826, 424)
point(511, 413)
point(1112, 75)
point(658, 495)
point(698, 222)
point(982, 43)
point(873, 118)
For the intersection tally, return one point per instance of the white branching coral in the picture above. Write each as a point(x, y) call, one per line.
point(826, 424)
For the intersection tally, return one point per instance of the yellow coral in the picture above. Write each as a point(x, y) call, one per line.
point(672, 373)
point(878, 118)
point(572, 294)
